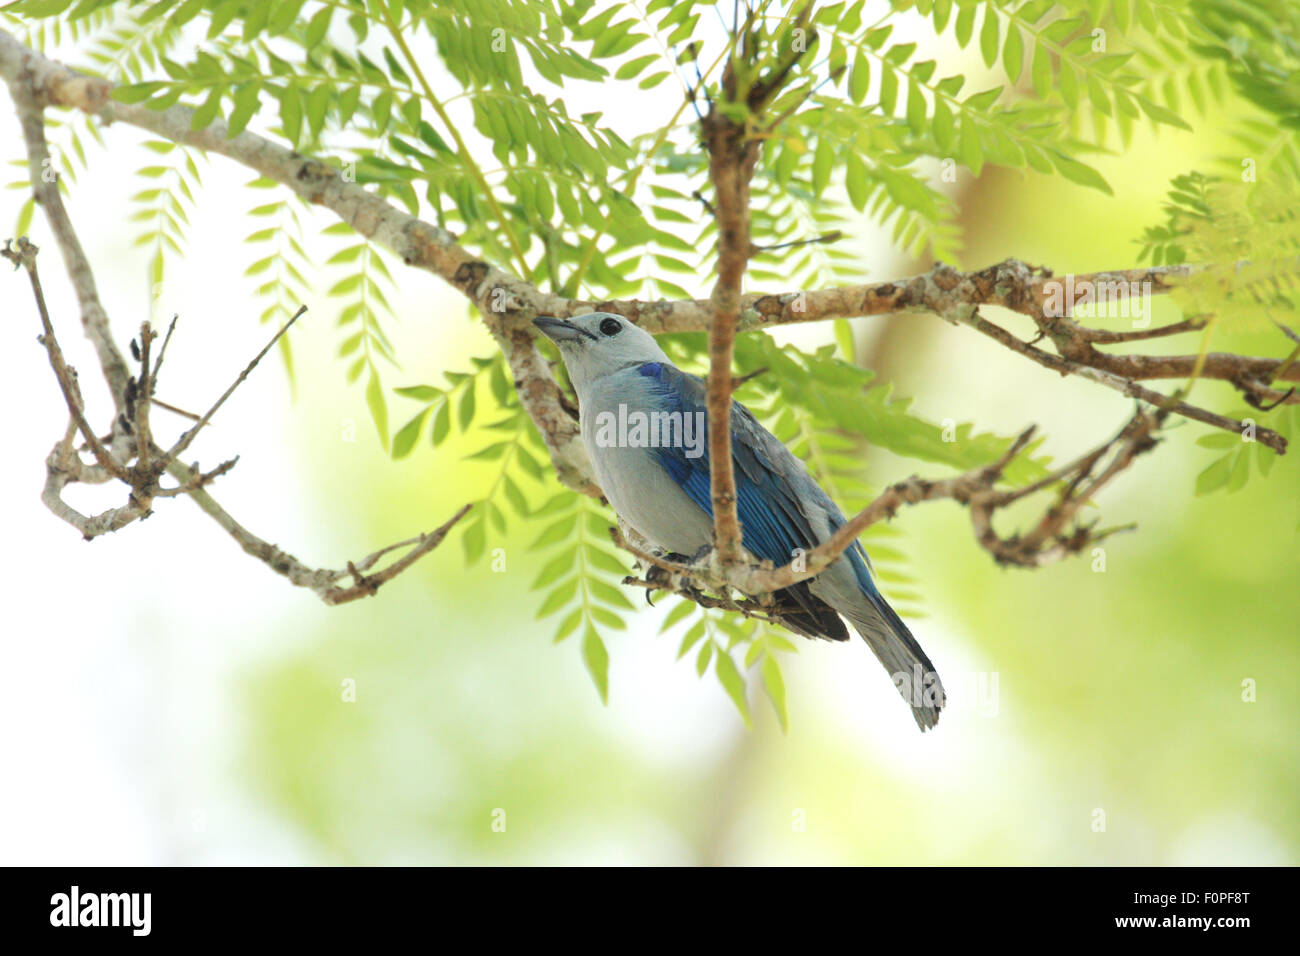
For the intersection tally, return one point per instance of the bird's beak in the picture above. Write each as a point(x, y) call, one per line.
point(561, 330)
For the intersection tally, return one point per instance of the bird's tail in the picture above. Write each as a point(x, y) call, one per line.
point(900, 653)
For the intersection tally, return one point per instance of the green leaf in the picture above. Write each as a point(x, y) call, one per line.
point(421, 393)
point(690, 639)
point(732, 683)
point(378, 407)
point(465, 412)
point(1265, 458)
point(135, 92)
point(1219, 441)
point(965, 24)
point(186, 12)
point(318, 26)
point(945, 132)
point(1041, 72)
point(855, 179)
point(774, 685)
point(596, 657)
point(916, 116)
point(25, 217)
point(1097, 95)
point(704, 657)
point(568, 625)
point(1078, 172)
point(246, 106)
point(823, 164)
point(207, 112)
point(680, 612)
point(316, 106)
point(558, 598)
point(859, 78)
point(989, 36)
point(888, 91)
point(291, 113)
point(475, 540)
point(555, 533)
point(1215, 476)
point(1240, 471)
point(405, 439)
point(634, 67)
point(441, 423)
point(1013, 53)
point(1068, 82)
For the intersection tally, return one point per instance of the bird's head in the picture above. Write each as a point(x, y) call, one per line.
point(599, 344)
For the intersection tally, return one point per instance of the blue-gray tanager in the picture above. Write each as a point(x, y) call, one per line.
point(646, 431)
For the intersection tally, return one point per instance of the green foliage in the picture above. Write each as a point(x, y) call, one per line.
point(717, 638)
point(165, 204)
point(66, 159)
point(1187, 205)
point(577, 579)
point(1252, 239)
point(361, 318)
point(1245, 229)
point(845, 397)
point(1241, 222)
point(1243, 456)
point(1256, 42)
point(459, 111)
point(580, 580)
point(283, 263)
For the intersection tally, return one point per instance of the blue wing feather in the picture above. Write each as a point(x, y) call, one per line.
point(774, 495)
point(772, 521)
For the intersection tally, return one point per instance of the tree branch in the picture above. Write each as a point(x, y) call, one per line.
point(733, 153)
point(132, 398)
point(508, 303)
point(731, 164)
point(1054, 536)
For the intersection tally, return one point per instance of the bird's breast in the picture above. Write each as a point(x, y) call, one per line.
point(624, 428)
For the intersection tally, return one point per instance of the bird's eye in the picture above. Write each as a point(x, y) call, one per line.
point(610, 326)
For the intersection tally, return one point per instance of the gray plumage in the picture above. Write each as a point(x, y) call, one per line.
point(657, 482)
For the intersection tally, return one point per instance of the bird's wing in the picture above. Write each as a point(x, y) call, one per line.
point(773, 520)
point(775, 497)
point(773, 488)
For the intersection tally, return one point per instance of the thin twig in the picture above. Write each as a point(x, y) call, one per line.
point(23, 253)
point(188, 436)
point(826, 237)
point(368, 585)
point(192, 416)
point(1107, 337)
point(162, 353)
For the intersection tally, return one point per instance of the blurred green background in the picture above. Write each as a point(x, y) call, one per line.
point(1119, 692)
point(1096, 712)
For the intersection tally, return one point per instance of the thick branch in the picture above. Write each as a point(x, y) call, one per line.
point(506, 302)
point(509, 303)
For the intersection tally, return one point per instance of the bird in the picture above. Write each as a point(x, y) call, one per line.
point(644, 424)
